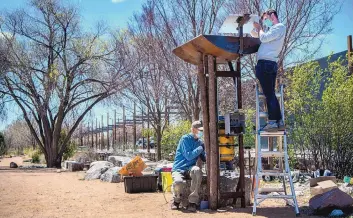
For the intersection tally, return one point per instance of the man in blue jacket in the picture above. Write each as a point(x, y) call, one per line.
point(190, 148)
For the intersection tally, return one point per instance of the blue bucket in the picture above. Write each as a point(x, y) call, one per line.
point(203, 205)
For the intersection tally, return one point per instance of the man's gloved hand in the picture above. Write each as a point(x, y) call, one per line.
point(203, 146)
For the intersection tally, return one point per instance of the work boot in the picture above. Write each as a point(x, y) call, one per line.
point(271, 126)
point(281, 125)
point(174, 206)
point(192, 207)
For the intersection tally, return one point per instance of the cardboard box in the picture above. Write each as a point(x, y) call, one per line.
point(327, 185)
point(316, 190)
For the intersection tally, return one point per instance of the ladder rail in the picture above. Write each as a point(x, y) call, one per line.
point(258, 198)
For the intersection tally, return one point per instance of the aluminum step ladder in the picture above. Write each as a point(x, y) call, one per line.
point(281, 154)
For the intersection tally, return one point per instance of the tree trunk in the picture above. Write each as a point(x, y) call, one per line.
point(52, 156)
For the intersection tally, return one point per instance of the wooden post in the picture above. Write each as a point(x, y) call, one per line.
point(81, 138)
point(102, 135)
point(143, 138)
point(134, 128)
point(114, 138)
point(96, 133)
point(350, 54)
point(124, 130)
point(214, 150)
point(92, 140)
point(148, 130)
point(203, 62)
point(108, 131)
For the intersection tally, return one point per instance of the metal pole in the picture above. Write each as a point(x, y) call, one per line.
point(240, 138)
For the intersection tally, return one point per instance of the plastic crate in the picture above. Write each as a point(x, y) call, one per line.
point(137, 184)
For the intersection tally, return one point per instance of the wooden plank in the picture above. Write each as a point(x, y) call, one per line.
point(225, 48)
point(228, 195)
point(227, 74)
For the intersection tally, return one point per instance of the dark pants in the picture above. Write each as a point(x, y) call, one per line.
point(266, 72)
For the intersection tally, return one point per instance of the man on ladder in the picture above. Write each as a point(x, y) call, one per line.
point(266, 69)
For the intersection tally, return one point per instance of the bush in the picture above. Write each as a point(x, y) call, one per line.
point(36, 156)
point(69, 151)
point(172, 135)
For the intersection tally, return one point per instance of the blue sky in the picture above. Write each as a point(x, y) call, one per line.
point(116, 13)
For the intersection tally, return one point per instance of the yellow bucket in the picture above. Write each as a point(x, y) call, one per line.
point(226, 154)
point(167, 181)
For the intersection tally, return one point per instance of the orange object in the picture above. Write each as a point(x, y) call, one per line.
point(134, 167)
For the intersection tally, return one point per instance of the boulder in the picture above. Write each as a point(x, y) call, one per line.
point(74, 166)
point(324, 204)
point(111, 175)
point(119, 161)
point(347, 188)
point(13, 165)
point(97, 168)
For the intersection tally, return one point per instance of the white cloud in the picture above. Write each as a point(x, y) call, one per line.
point(117, 1)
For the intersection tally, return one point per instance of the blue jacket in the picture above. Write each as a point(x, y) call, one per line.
point(187, 153)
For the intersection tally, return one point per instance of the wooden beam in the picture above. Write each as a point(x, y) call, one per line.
point(227, 74)
point(241, 184)
point(214, 150)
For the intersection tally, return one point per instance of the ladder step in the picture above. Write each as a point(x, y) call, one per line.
point(262, 96)
point(273, 174)
point(273, 134)
point(274, 196)
point(272, 154)
point(263, 114)
point(269, 190)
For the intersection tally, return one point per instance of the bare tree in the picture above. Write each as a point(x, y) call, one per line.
point(307, 23)
point(18, 136)
point(56, 70)
point(149, 84)
point(176, 22)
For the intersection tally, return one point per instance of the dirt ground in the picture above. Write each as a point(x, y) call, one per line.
point(46, 193)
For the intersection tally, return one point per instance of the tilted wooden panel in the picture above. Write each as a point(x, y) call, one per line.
point(222, 47)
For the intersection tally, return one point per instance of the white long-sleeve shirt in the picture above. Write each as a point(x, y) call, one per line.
point(271, 43)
